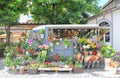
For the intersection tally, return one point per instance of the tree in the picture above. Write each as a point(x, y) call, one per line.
point(63, 11)
point(9, 13)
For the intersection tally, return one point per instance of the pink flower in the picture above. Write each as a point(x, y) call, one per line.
point(45, 46)
point(40, 46)
point(30, 41)
point(98, 45)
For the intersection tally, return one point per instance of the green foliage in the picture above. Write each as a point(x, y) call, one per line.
point(82, 40)
point(41, 31)
point(63, 11)
point(34, 66)
point(41, 57)
point(2, 32)
point(67, 42)
point(25, 45)
point(107, 51)
point(69, 61)
point(78, 64)
point(62, 58)
point(10, 12)
point(9, 55)
point(16, 61)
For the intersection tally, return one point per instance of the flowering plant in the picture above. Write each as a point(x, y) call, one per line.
point(113, 64)
point(43, 47)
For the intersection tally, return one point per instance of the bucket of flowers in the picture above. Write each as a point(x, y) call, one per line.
point(112, 66)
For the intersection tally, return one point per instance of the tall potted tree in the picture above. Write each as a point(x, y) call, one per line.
point(107, 52)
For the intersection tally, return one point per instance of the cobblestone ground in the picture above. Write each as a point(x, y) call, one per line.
point(87, 73)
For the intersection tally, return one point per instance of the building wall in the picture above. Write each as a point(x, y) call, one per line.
point(113, 18)
point(116, 30)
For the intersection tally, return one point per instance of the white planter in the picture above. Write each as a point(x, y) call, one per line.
point(51, 44)
point(107, 61)
point(65, 46)
point(7, 68)
point(112, 70)
point(42, 35)
point(57, 43)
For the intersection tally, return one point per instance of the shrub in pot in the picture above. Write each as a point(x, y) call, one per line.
point(78, 67)
point(107, 52)
point(33, 68)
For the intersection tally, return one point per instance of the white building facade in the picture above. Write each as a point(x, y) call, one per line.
point(109, 19)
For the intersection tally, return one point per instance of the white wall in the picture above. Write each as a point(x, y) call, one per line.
point(116, 30)
point(92, 21)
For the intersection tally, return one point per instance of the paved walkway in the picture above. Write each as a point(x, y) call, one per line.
point(86, 74)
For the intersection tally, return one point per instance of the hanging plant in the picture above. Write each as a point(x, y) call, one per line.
point(41, 32)
point(50, 38)
point(67, 43)
point(104, 31)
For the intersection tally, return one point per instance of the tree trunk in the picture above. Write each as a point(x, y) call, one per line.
point(8, 34)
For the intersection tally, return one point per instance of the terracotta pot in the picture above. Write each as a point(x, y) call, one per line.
point(22, 71)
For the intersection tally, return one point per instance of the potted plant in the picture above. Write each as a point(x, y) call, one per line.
point(42, 33)
point(107, 52)
point(82, 41)
point(33, 68)
point(21, 70)
point(67, 43)
point(57, 42)
point(9, 56)
point(78, 67)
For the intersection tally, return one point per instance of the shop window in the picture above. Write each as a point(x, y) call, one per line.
point(104, 31)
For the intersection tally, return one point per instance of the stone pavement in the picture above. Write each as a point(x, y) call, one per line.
point(87, 73)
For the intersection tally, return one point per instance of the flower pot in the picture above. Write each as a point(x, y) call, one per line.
point(77, 70)
point(107, 60)
point(22, 71)
point(57, 43)
point(112, 70)
point(32, 71)
point(7, 68)
point(42, 36)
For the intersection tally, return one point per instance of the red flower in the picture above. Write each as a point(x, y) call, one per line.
point(94, 52)
point(56, 57)
point(47, 63)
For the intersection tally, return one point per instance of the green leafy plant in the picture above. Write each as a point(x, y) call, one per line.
point(41, 57)
point(67, 42)
point(104, 31)
point(82, 41)
point(69, 61)
point(41, 31)
point(16, 61)
point(107, 51)
point(33, 66)
point(25, 46)
point(62, 58)
point(9, 56)
point(78, 64)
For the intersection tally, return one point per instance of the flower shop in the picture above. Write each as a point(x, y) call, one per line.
point(71, 48)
